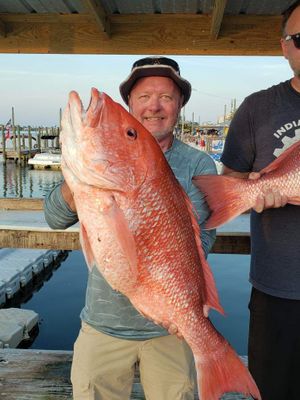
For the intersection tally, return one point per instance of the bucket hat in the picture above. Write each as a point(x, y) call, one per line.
point(155, 66)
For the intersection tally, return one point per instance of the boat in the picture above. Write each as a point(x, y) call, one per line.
point(51, 160)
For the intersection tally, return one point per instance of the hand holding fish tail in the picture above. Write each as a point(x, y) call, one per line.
point(269, 198)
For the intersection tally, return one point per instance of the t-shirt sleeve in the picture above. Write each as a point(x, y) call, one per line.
point(58, 215)
point(206, 166)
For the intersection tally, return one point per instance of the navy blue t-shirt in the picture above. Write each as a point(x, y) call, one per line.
point(266, 123)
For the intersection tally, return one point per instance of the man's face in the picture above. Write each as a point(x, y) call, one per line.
point(290, 52)
point(156, 101)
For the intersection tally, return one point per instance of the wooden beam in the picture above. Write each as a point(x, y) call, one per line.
point(217, 17)
point(36, 239)
point(98, 12)
point(21, 204)
point(2, 29)
point(141, 34)
point(226, 243)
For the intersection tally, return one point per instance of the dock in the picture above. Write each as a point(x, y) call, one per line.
point(40, 375)
point(22, 225)
point(17, 326)
point(25, 142)
point(20, 266)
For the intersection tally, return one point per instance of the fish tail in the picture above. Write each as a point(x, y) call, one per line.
point(224, 373)
point(226, 197)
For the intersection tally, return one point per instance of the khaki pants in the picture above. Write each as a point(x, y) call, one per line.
point(103, 367)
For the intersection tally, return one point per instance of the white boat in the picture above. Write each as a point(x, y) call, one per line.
point(45, 160)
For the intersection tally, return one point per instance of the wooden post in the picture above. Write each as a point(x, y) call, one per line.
point(18, 144)
point(13, 129)
point(46, 134)
point(29, 142)
point(39, 140)
point(52, 140)
point(3, 144)
point(23, 139)
point(57, 137)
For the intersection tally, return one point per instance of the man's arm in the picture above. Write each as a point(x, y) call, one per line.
point(59, 207)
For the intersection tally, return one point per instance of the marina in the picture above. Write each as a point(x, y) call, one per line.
point(85, 28)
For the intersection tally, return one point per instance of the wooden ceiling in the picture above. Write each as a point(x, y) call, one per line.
point(195, 27)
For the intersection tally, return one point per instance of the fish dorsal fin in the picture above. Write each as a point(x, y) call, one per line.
point(211, 299)
point(281, 159)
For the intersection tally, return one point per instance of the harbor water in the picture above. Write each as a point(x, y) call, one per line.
point(60, 297)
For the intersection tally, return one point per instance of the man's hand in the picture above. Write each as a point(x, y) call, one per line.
point(272, 198)
point(172, 328)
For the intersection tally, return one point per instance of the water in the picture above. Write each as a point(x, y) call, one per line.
point(60, 299)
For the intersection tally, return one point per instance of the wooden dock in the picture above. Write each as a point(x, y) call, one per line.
point(22, 145)
point(45, 375)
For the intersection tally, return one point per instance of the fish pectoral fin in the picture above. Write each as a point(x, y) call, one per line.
point(116, 221)
point(86, 247)
point(294, 200)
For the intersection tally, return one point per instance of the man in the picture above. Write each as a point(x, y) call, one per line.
point(114, 336)
point(266, 123)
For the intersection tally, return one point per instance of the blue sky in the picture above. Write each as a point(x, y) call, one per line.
point(37, 86)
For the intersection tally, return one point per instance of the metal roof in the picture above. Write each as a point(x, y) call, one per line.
point(141, 26)
point(233, 7)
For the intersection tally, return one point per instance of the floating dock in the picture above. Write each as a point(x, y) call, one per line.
point(20, 270)
point(21, 266)
point(16, 325)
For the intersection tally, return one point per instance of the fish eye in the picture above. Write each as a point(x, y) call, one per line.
point(132, 133)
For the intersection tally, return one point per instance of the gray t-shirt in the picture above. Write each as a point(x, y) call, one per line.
point(106, 309)
point(266, 123)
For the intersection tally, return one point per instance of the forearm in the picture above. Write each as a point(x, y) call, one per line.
point(58, 213)
point(208, 238)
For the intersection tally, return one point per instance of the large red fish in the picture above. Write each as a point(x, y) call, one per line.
point(138, 226)
point(228, 196)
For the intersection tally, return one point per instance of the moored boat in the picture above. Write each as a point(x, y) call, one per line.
point(45, 160)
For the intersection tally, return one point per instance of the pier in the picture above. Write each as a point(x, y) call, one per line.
point(24, 142)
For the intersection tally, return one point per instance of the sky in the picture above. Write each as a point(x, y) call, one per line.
point(37, 86)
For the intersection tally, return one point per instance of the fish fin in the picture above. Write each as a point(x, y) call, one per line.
point(281, 160)
point(116, 221)
point(86, 247)
point(224, 373)
point(225, 197)
point(211, 298)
